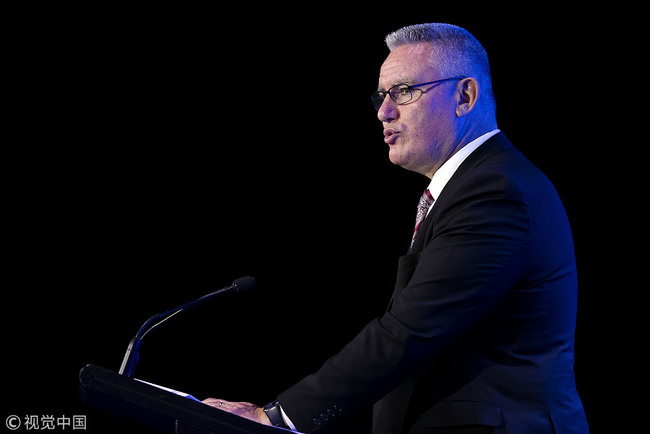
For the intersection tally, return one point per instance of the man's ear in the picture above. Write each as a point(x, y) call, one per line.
point(467, 96)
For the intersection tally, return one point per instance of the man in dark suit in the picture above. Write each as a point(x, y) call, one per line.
point(478, 336)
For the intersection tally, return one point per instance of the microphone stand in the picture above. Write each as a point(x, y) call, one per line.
point(133, 350)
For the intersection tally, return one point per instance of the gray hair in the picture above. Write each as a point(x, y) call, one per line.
point(455, 52)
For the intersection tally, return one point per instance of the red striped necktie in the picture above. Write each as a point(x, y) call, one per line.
point(423, 208)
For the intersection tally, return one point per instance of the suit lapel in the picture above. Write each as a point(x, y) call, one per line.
point(494, 145)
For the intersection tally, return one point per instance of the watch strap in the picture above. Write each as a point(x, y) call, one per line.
point(274, 414)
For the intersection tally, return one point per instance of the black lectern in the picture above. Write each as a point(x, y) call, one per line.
point(159, 409)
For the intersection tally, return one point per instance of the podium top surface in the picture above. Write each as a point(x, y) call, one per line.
point(157, 408)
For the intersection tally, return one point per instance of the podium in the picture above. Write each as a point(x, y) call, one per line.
point(156, 408)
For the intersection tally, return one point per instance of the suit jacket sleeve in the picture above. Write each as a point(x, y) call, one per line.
point(469, 254)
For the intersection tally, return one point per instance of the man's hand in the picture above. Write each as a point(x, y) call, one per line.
point(242, 409)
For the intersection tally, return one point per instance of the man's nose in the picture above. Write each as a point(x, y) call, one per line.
point(388, 111)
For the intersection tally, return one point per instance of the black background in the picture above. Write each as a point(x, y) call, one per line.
point(158, 154)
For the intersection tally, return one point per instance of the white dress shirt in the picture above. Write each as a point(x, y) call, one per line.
point(447, 170)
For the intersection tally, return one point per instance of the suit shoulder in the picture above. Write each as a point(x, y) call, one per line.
point(512, 170)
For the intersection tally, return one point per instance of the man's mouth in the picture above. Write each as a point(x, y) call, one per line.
point(390, 136)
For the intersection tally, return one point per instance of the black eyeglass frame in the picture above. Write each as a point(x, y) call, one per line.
point(379, 96)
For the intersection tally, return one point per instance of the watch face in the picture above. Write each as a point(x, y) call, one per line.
point(270, 406)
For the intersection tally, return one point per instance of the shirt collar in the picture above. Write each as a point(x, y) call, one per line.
point(447, 170)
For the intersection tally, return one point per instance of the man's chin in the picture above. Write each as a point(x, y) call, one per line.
point(403, 162)
point(397, 158)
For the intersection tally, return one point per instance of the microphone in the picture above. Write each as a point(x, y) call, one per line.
point(133, 350)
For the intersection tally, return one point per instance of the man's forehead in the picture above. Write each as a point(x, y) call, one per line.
point(404, 65)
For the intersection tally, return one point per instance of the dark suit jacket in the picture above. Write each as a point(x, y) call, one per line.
point(479, 333)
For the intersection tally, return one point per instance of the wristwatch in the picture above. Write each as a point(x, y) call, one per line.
point(274, 414)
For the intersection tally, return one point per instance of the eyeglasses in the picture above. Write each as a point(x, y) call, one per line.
point(403, 93)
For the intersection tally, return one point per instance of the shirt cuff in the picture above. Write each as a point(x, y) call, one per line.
point(286, 419)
